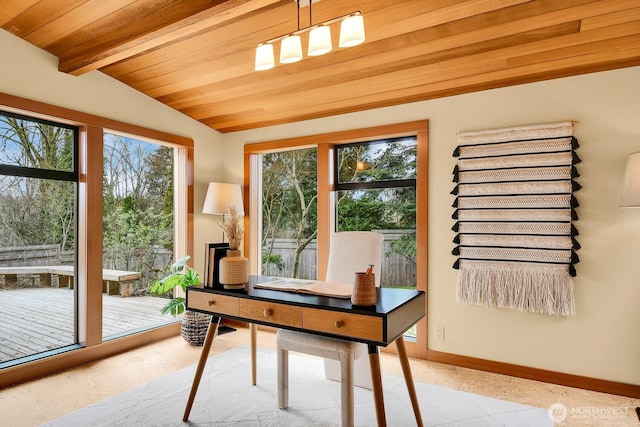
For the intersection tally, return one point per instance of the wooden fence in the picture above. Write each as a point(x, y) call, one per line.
point(26, 256)
point(396, 269)
point(151, 266)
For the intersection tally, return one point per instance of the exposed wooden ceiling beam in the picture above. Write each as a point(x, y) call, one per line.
point(222, 12)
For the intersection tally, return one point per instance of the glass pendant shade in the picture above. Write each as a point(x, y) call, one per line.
point(352, 31)
point(264, 57)
point(290, 49)
point(320, 41)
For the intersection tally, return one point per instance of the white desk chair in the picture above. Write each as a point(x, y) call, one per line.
point(349, 252)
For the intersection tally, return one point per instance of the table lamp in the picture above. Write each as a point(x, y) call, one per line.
point(220, 195)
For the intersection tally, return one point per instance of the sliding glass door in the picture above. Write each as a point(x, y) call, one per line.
point(138, 232)
point(38, 212)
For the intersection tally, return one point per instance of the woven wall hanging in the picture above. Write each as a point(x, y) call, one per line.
point(515, 210)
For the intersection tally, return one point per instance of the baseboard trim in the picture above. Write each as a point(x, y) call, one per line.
point(519, 371)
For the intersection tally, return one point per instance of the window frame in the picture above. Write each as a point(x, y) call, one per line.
point(369, 185)
point(72, 176)
point(89, 155)
point(41, 173)
point(325, 144)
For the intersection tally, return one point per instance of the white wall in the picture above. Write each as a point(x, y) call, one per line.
point(602, 340)
point(32, 73)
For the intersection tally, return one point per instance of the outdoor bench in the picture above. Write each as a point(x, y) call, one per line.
point(115, 282)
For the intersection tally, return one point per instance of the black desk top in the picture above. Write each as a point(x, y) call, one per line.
point(388, 300)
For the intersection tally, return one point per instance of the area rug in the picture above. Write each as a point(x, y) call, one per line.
point(226, 398)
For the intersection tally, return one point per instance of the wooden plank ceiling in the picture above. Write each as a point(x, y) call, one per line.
point(197, 56)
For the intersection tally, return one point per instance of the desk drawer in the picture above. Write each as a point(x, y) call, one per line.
point(213, 303)
point(280, 314)
point(345, 324)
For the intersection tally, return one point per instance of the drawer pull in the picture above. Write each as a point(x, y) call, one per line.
point(267, 312)
point(211, 302)
point(339, 324)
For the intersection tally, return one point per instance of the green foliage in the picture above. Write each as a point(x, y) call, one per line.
point(379, 173)
point(137, 195)
point(363, 214)
point(289, 194)
point(159, 180)
point(138, 204)
point(272, 259)
point(382, 160)
point(176, 306)
point(406, 246)
point(377, 209)
point(182, 276)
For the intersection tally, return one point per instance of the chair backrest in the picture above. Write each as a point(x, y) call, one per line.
point(351, 252)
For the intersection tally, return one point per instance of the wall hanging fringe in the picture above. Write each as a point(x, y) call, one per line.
point(514, 212)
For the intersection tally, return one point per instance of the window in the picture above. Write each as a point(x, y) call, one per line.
point(289, 213)
point(138, 231)
point(376, 191)
point(38, 211)
point(365, 179)
point(52, 235)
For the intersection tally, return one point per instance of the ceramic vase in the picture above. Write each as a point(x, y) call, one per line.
point(234, 270)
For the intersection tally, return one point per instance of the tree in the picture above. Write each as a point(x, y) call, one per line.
point(289, 201)
point(289, 191)
point(137, 193)
point(36, 211)
point(138, 203)
point(385, 205)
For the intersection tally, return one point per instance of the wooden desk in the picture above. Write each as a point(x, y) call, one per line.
point(395, 312)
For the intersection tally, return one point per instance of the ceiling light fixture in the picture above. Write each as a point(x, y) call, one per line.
point(351, 34)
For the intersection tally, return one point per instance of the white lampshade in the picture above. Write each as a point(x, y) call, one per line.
point(631, 185)
point(220, 195)
point(290, 49)
point(320, 41)
point(264, 57)
point(351, 31)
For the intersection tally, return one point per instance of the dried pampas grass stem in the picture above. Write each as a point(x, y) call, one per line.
point(232, 227)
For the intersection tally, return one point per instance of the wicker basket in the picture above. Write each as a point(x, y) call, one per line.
point(364, 290)
point(194, 327)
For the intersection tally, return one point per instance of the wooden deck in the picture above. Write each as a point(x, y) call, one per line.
point(34, 320)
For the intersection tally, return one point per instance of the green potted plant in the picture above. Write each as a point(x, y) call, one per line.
point(194, 325)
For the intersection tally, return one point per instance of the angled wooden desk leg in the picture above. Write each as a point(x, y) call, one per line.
point(408, 379)
point(211, 333)
point(254, 335)
point(376, 382)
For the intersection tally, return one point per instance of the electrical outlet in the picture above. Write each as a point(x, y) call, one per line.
point(439, 333)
